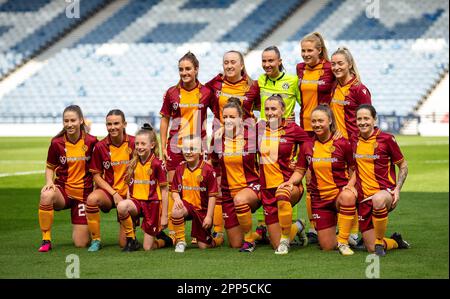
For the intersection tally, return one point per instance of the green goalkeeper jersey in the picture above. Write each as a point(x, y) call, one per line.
point(285, 85)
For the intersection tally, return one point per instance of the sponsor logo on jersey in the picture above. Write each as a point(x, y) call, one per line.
point(106, 164)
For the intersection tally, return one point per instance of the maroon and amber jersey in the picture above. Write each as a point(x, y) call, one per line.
point(187, 109)
point(224, 89)
point(197, 185)
point(111, 162)
point(237, 159)
point(276, 151)
point(375, 159)
point(345, 100)
point(315, 85)
point(70, 161)
point(329, 163)
point(147, 179)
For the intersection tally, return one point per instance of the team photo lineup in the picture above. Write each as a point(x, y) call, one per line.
point(349, 164)
point(198, 143)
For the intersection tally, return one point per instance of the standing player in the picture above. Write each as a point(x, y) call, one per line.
point(109, 163)
point(376, 154)
point(185, 104)
point(68, 180)
point(276, 81)
point(234, 82)
point(194, 191)
point(235, 154)
point(316, 81)
point(148, 194)
point(348, 94)
point(279, 141)
point(333, 197)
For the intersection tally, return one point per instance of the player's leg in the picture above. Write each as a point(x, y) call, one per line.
point(346, 206)
point(127, 209)
point(232, 227)
point(218, 221)
point(170, 227)
point(327, 238)
point(246, 201)
point(80, 230)
point(80, 235)
point(178, 220)
point(381, 202)
point(150, 211)
point(98, 199)
point(50, 200)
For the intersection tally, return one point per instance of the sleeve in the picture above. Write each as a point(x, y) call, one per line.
point(302, 158)
point(211, 183)
point(301, 136)
point(364, 96)
point(96, 165)
point(257, 102)
point(176, 181)
point(348, 153)
point(395, 152)
point(166, 108)
point(298, 96)
point(52, 156)
point(160, 174)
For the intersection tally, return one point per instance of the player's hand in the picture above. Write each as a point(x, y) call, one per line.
point(351, 189)
point(286, 185)
point(48, 187)
point(117, 198)
point(166, 155)
point(207, 223)
point(396, 197)
point(178, 204)
point(219, 133)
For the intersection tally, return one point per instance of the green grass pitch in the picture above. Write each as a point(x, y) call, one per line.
point(421, 217)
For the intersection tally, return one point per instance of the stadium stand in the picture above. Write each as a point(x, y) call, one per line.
point(28, 27)
point(129, 60)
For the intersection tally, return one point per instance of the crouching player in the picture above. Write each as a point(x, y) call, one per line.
point(147, 194)
point(376, 154)
point(194, 191)
point(331, 164)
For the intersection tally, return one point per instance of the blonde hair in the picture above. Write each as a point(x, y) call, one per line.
point(349, 57)
point(146, 129)
point(319, 42)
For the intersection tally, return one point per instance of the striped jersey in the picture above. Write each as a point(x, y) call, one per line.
point(345, 100)
point(111, 162)
point(237, 159)
point(224, 89)
point(276, 151)
point(197, 185)
point(147, 179)
point(188, 110)
point(328, 163)
point(315, 85)
point(70, 161)
point(375, 159)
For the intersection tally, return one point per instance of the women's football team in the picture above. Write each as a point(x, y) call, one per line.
point(250, 165)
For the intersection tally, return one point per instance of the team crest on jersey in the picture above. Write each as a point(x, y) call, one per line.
point(175, 106)
point(332, 149)
point(199, 95)
point(84, 148)
point(62, 159)
point(375, 145)
point(180, 187)
point(106, 164)
point(285, 86)
point(149, 172)
point(199, 178)
point(321, 72)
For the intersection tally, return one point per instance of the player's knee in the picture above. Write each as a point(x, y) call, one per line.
point(239, 200)
point(378, 202)
point(202, 245)
point(122, 208)
point(177, 213)
point(81, 242)
point(346, 198)
point(93, 199)
point(46, 198)
point(327, 245)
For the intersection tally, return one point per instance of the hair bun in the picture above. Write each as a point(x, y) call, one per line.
point(147, 126)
